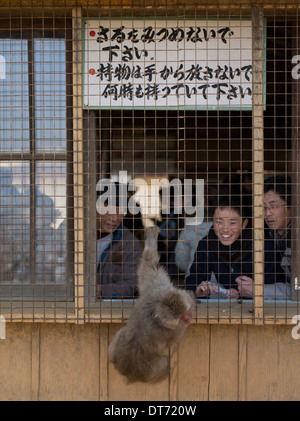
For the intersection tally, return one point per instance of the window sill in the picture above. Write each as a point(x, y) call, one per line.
point(207, 312)
point(117, 311)
point(38, 311)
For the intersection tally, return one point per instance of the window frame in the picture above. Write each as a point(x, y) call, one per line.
point(256, 311)
point(41, 291)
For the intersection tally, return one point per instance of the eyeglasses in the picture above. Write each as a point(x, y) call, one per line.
point(271, 208)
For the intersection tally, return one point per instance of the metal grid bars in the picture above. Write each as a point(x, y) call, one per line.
point(119, 117)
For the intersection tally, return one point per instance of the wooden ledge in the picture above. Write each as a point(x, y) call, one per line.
point(117, 311)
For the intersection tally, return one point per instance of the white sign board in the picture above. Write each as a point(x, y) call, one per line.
point(202, 64)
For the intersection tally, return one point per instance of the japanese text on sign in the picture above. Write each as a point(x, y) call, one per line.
point(188, 63)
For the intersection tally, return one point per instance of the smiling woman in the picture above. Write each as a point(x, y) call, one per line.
point(226, 251)
point(228, 225)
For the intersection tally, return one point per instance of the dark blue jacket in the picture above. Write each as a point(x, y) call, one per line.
point(278, 248)
point(230, 263)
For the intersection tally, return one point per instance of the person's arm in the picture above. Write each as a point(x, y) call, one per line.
point(120, 275)
point(278, 291)
point(198, 271)
point(188, 241)
point(183, 250)
point(245, 286)
point(275, 287)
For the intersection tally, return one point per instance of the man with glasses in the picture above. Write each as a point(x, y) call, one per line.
point(277, 212)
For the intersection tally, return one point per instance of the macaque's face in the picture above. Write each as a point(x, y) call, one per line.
point(228, 225)
point(109, 222)
point(186, 317)
point(277, 213)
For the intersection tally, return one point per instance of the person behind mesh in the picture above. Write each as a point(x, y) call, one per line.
point(277, 209)
point(277, 212)
point(118, 250)
point(226, 251)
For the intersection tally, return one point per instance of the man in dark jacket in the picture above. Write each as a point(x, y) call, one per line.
point(118, 253)
point(277, 209)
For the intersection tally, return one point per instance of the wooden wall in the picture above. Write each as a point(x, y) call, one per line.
point(214, 362)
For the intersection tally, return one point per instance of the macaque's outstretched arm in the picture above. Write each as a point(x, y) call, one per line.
point(149, 272)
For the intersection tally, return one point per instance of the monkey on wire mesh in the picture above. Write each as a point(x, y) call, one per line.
point(159, 319)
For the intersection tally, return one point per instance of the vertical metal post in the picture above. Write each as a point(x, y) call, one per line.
point(78, 165)
point(258, 158)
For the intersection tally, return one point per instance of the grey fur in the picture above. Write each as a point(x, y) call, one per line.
point(159, 319)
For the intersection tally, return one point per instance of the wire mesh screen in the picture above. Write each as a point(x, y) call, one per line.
point(116, 119)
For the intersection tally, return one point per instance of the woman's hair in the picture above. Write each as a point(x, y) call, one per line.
point(239, 204)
